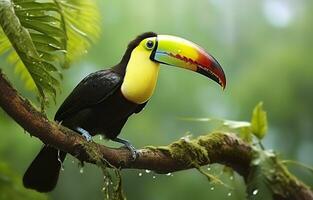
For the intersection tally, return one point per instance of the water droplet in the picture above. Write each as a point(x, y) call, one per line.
point(81, 170)
point(168, 174)
point(231, 177)
point(139, 174)
point(148, 171)
point(17, 6)
point(229, 194)
point(40, 79)
point(212, 188)
point(27, 14)
point(60, 161)
point(100, 137)
point(153, 177)
point(255, 192)
point(186, 138)
point(73, 161)
point(103, 189)
point(209, 168)
point(107, 183)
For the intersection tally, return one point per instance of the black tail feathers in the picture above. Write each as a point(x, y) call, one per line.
point(43, 173)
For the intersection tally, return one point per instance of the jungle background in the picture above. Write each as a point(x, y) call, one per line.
point(265, 48)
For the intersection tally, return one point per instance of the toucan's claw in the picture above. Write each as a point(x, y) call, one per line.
point(129, 146)
point(84, 133)
point(133, 151)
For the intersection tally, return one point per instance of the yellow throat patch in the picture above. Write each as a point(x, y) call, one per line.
point(140, 76)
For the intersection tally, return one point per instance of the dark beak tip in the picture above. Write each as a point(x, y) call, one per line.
point(223, 81)
point(220, 74)
point(224, 86)
point(220, 77)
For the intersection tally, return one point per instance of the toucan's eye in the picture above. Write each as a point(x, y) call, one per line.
point(149, 44)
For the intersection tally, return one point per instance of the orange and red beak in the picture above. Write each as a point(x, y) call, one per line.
point(179, 52)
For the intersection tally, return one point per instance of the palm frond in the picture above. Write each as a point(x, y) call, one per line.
point(42, 36)
point(82, 23)
point(23, 32)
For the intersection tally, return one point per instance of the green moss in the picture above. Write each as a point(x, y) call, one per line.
point(189, 151)
point(192, 151)
point(195, 153)
point(213, 140)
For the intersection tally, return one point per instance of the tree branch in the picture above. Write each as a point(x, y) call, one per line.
point(224, 148)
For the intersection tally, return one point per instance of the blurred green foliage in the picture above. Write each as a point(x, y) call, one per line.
point(266, 50)
point(11, 186)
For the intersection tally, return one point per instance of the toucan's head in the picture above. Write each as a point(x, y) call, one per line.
point(144, 54)
point(179, 52)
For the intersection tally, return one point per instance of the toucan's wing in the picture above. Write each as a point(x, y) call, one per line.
point(91, 90)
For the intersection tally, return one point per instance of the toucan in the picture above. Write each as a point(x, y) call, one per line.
point(103, 101)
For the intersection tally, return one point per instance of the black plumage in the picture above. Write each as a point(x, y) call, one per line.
point(95, 105)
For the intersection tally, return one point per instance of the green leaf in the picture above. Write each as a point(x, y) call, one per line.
point(259, 121)
point(21, 50)
point(82, 24)
point(42, 36)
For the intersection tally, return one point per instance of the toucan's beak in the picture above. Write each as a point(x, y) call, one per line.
point(182, 53)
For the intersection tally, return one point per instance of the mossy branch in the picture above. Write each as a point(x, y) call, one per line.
point(224, 148)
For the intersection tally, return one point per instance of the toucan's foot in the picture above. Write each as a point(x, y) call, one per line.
point(84, 133)
point(129, 146)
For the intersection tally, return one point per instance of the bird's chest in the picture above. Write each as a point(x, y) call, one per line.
point(140, 78)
